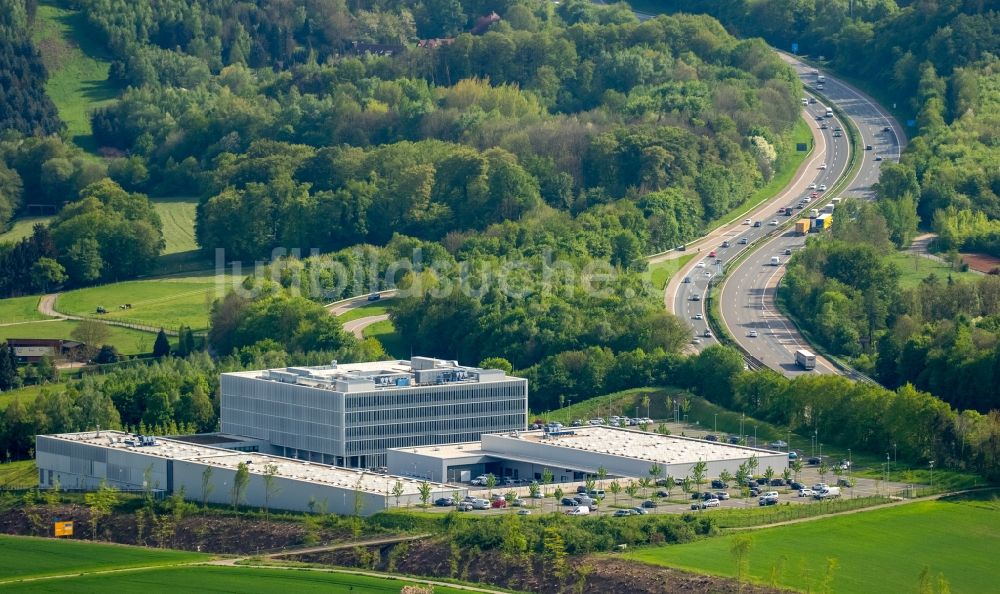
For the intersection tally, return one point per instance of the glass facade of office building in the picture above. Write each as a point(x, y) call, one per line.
point(349, 415)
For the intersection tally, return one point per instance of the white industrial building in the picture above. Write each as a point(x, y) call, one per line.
point(85, 460)
point(349, 415)
point(573, 454)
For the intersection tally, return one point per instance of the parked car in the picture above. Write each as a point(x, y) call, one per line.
point(768, 500)
point(796, 485)
point(806, 492)
point(569, 501)
point(718, 484)
point(622, 513)
point(649, 503)
point(778, 482)
point(524, 512)
point(814, 461)
point(663, 493)
point(499, 503)
point(705, 504)
point(721, 495)
point(443, 501)
point(662, 482)
point(517, 502)
point(464, 507)
point(638, 511)
point(754, 491)
point(711, 437)
point(581, 489)
point(820, 487)
point(481, 504)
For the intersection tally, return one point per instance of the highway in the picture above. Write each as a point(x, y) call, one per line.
point(827, 162)
point(747, 293)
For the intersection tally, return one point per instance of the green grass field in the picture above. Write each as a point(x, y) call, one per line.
point(659, 274)
point(620, 403)
point(168, 302)
point(386, 333)
point(876, 551)
point(177, 214)
point(22, 558)
point(77, 65)
point(371, 309)
point(18, 474)
point(913, 269)
point(224, 579)
point(126, 340)
point(19, 309)
point(22, 228)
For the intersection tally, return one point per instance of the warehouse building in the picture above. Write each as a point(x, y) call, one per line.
point(573, 454)
point(128, 462)
point(349, 415)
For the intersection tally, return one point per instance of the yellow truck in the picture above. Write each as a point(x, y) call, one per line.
point(802, 226)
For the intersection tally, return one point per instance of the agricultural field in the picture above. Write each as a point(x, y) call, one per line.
point(126, 340)
point(14, 310)
point(880, 550)
point(168, 302)
point(22, 228)
point(177, 214)
point(25, 558)
point(77, 65)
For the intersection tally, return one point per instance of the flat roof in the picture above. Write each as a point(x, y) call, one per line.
point(288, 468)
point(661, 449)
point(379, 375)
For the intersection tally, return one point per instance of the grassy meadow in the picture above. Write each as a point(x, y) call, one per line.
point(884, 550)
point(126, 340)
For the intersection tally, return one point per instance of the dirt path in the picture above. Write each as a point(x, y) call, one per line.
point(47, 307)
point(919, 246)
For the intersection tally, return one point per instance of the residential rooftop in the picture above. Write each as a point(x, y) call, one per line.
point(311, 472)
point(394, 374)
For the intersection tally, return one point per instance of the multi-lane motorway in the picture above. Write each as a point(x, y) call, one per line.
point(746, 299)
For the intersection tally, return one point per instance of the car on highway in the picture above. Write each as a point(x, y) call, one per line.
point(878, 157)
point(743, 241)
point(687, 280)
point(681, 248)
point(773, 223)
point(822, 187)
point(823, 126)
point(887, 129)
point(374, 297)
point(695, 297)
point(725, 244)
point(837, 134)
point(788, 251)
point(752, 334)
point(708, 274)
point(711, 254)
point(695, 340)
point(747, 221)
point(756, 223)
point(822, 166)
point(699, 316)
point(708, 333)
point(700, 264)
point(812, 186)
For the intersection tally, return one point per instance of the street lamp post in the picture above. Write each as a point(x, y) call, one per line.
point(716, 427)
point(895, 457)
point(932, 475)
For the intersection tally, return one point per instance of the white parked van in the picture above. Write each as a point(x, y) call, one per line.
point(828, 492)
point(581, 510)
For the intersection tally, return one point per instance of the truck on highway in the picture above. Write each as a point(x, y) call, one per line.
point(813, 213)
point(829, 207)
point(820, 78)
point(829, 112)
point(836, 200)
point(802, 226)
point(805, 359)
point(822, 222)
